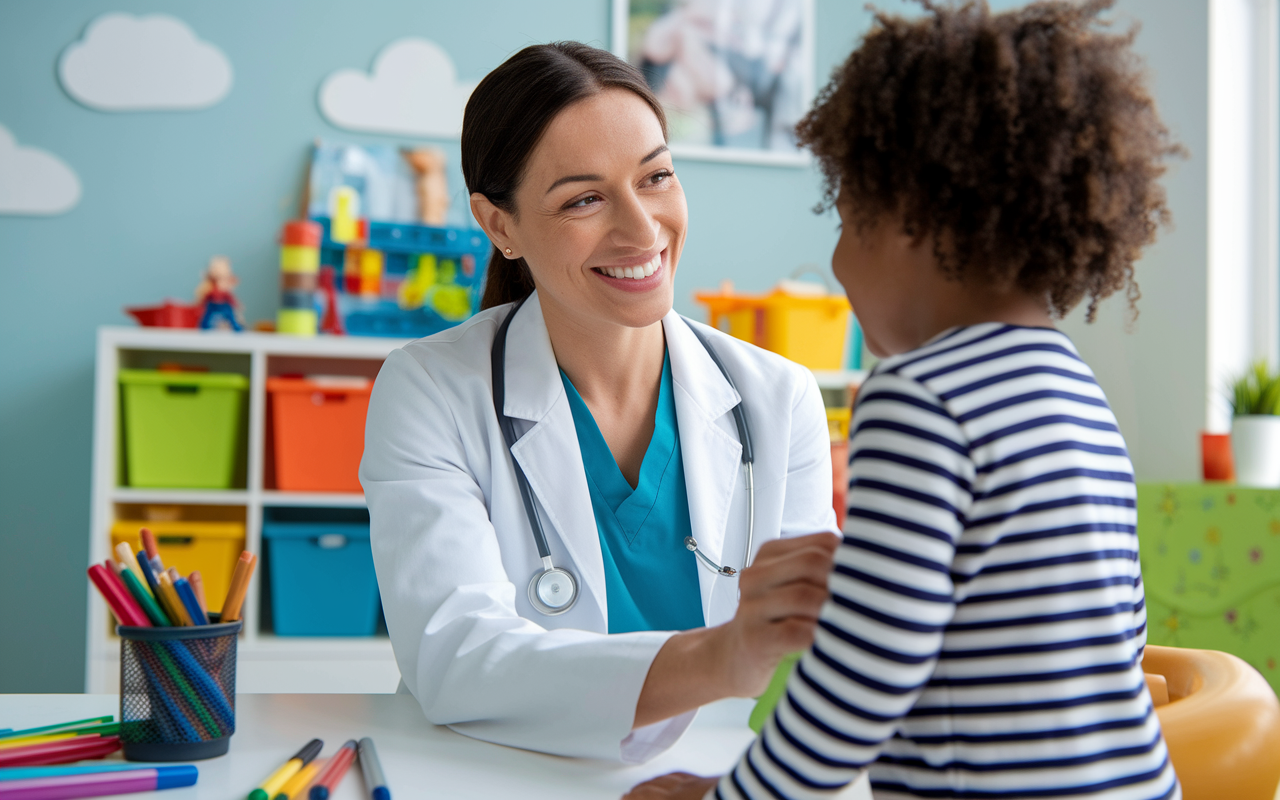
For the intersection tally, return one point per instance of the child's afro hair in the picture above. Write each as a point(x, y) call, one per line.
point(1024, 143)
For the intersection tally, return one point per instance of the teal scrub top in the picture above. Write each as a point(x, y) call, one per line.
point(651, 580)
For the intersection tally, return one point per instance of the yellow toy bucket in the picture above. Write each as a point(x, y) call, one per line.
point(808, 329)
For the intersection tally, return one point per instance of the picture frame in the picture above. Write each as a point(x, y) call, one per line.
point(734, 76)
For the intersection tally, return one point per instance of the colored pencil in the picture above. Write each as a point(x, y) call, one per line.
point(239, 586)
point(269, 788)
point(102, 728)
point(61, 726)
point(125, 556)
point(64, 752)
point(189, 602)
point(112, 574)
point(149, 543)
point(333, 772)
point(375, 782)
point(149, 575)
point(177, 611)
point(148, 603)
point(197, 586)
point(118, 600)
point(23, 741)
point(66, 787)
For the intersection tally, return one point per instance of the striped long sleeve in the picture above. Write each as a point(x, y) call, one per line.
point(984, 633)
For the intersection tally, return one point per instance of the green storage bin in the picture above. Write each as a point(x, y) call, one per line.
point(1211, 569)
point(182, 429)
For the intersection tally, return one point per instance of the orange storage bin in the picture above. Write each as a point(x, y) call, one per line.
point(318, 432)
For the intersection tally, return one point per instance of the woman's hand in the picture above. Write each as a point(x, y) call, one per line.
point(781, 594)
point(673, 786)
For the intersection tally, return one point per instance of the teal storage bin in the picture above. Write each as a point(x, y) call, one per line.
point(320, 572)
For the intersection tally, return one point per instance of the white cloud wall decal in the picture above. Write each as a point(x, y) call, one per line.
point(34, 181)
point(143, 63)
point(413, 90)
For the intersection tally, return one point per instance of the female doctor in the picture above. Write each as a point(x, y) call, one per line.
point(564, 489)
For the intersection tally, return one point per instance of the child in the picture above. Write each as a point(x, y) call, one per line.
point(986, 623)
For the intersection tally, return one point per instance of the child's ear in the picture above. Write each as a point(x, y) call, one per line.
point(495, 221)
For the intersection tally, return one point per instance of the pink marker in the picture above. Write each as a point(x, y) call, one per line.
point(99, 784)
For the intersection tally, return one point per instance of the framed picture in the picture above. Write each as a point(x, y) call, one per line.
point(735, 76)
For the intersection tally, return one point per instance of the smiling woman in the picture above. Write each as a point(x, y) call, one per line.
point(545, 479)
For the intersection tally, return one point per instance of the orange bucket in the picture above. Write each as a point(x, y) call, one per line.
point(318, 432)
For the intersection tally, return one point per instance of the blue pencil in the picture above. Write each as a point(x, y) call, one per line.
point(148, 573)
point(188, 597)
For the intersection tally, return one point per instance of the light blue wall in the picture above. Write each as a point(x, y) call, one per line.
point(164, 191)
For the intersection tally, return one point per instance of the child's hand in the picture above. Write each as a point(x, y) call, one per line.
point(673, 786)
point(781, 594)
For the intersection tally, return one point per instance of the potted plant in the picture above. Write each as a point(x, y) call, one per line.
point(1255, 426)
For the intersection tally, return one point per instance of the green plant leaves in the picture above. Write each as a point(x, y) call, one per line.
point(1256, 392)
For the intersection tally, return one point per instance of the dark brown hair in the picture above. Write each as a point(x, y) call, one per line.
point(1025, 143)
point(506, 116)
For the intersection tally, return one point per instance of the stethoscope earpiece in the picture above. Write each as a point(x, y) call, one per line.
point(554, 590)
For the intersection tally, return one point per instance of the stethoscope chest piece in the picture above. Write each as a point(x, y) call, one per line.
point(553, 591)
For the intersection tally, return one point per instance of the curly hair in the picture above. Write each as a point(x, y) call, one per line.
point(1025, 143)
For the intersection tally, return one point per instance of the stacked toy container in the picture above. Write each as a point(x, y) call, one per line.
point(299, 277)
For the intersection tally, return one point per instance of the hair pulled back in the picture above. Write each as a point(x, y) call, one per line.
point(505, 118)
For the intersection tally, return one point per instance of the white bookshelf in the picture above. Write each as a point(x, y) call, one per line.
point(267, 663)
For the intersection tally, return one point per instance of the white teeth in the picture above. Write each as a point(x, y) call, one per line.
point(634, 273)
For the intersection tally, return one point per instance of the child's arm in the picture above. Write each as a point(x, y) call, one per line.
point(891, 597)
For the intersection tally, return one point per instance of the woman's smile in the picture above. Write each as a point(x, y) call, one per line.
point(634, 274)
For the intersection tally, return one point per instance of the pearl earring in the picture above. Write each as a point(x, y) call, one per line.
point(508, 251)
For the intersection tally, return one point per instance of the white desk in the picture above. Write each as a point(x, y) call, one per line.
point(420, 759)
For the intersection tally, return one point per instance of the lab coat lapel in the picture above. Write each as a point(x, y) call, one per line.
point(548, 452)
point(710, 451)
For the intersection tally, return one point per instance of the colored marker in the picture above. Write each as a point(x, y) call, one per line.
point(197, 586)
point(64, 752)
point(375, 782)
point(189, 602)
point(103, 729)
point(125, 556)
point(61, 726)
point(176, 610)
point(65, 787)
point(295, 785)
point(25, 773)
point(23, 741)
point(271, 786)
point(148, 603)
point(148, 574)
point(239, 585)
point(332, 773)
point(124, 608)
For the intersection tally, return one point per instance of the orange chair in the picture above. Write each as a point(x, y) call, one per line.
point(1221, 721)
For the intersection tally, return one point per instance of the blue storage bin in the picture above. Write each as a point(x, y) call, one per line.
point(321, 577)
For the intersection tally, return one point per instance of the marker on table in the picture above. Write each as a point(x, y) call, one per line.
point(295, 785)
point(24, 773)
point(332, 773)
point(239, 585)
point(375, 782)
point(271, 786)
point(100, 784)
point(61, 726)
point(64, 752)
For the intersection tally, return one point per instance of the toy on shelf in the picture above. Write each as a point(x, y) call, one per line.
point(800, 321)
point(170, 314)
point(299, 269)
point(216, 298)
point(432, 186)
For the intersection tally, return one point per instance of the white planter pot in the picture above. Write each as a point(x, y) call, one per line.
point(1255, 447)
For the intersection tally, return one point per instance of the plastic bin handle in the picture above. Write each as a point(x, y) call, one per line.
point(331, 541)
point(175, 539)
point(181, 388)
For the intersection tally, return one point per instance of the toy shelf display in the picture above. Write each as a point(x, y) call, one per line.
point(309, 526)
point(370, 278)
point(1211, 569)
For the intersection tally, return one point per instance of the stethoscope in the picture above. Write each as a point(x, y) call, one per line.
point(554, 590)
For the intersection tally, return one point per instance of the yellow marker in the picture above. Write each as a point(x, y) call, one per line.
point(299, 783)
point(26, 740)
point(269, 788)
point(177, 610)
point(125, 556)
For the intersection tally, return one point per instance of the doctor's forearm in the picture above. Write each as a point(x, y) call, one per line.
point(683, 676)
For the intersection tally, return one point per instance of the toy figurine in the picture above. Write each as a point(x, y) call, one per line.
point(432, 185)
point(215, 298)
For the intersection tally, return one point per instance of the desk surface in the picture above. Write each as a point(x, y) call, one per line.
point(421, 760)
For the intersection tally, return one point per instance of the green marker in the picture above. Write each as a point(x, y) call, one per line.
point(149, 605)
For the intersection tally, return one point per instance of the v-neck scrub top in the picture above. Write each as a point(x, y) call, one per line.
point(651, 579)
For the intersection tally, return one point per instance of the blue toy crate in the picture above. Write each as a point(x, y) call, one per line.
point(461, 253)
point(320, 572)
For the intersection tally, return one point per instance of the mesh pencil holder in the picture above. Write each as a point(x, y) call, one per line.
point(177, 691)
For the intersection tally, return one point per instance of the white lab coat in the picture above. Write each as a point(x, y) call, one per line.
point(454, 550)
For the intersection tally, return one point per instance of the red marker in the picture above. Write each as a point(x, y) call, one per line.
point(332, 773)
point(118, 598)
point(64, 751)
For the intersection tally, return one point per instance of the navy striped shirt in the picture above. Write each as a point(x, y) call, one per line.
point(986, 623)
